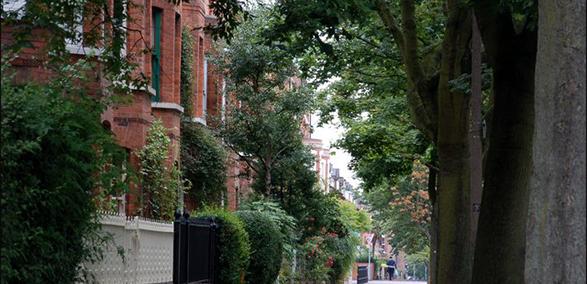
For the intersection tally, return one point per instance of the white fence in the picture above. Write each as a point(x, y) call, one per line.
point(148, 251)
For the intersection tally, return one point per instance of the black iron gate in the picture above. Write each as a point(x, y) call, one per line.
point(194, 250)
point(362, 275)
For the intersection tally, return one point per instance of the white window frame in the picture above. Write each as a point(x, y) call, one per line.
point(205, 90)
point(79, 48)
point(223, 109)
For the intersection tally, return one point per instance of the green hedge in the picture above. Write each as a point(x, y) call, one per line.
point(266, 247)
point(55, 155)
point(233, 245)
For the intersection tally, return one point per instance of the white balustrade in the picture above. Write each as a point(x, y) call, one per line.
point(147, 246)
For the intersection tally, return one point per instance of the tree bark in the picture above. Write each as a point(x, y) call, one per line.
point(444, 121)
point(555, 241)
point(433, 225)
point(454, 253)
point(475, 147)
point(500, 244)
point(267, 178)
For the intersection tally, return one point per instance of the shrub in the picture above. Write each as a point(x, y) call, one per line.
point(204, 164)
point(285, 223)
point(233, 245)
point(159, 197)
point(342, 251)
point(53, 146)
point(313, 260)
point(266, 247)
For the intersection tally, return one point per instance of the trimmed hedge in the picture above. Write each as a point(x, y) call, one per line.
point(233, 245)
point(266, 247)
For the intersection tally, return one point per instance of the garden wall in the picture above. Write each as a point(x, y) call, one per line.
point(148, 251)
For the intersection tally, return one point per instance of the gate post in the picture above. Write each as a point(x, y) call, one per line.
point(180, 243)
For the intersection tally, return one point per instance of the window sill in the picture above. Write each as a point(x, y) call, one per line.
point(81, 50)
point(199, 120)
point(167, 106)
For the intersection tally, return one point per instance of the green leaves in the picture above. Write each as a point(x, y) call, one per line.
point(187, 76)
point(104, 38)
point(159, 195)
point(263, 119)
point(266, 246)
point(233, 244)
point(203, 160)
point(55, 156)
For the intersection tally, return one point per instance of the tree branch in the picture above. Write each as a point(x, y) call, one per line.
point(411, 41)
point(391, 24)
point(422, 107)
point(242, 157)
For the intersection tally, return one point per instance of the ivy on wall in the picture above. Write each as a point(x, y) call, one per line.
point(187, 72)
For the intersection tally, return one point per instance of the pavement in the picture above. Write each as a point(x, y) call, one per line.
point(394, 282)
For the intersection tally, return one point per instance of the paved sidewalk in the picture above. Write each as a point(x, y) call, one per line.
point(395, 282)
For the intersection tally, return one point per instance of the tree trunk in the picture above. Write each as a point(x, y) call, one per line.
point(267, 179)
point(500, 245)
point(475, 146)
point(454, 253)
point(433, 225)
point(555, 240)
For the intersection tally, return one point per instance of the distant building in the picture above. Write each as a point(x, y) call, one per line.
point(321, 154)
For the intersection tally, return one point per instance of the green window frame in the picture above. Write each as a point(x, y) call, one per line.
point(156, 54)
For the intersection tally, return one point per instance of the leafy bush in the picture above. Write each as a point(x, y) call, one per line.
point(328, 237)
point(342, 251)
point(266, 247)
point(159, 197)
point(362, 254)
point(204, 164)
point(233, 245)
point(285, 223)
point(313, 260)
point(53, 146)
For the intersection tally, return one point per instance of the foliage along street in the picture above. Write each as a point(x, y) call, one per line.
point(464, 122)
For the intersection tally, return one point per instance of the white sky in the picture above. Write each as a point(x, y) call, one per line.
point(329, 134)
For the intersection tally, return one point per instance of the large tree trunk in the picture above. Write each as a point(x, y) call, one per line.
point(454, 253)
point(556, 220)
point(433, 225)
point(500, 245)
point(475, 145)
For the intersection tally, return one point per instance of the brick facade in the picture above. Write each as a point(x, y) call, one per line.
point(130, 122)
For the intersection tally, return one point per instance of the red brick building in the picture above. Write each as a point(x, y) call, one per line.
point(154, 26)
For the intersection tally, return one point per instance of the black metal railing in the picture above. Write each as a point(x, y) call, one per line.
point(362, 275)
point(194, 250)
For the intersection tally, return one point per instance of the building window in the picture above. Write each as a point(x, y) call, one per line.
point(205, 94)
point(223, 114)
point(118, 29)
point(203, 64)
point(156, 53)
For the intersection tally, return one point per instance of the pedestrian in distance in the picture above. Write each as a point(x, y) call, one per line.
point(391, 267)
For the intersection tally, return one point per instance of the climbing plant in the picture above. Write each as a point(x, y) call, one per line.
point(159, 198)
point(187, 72)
